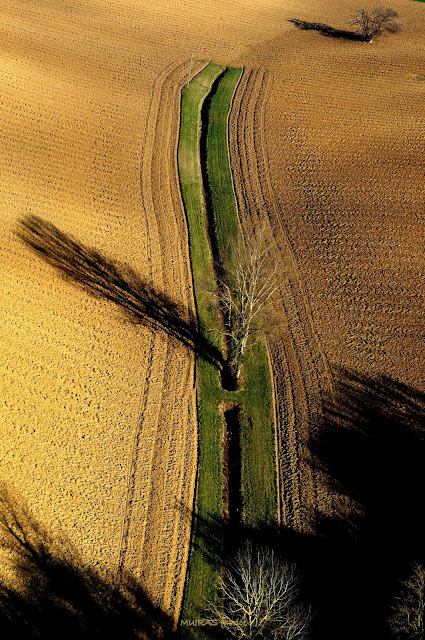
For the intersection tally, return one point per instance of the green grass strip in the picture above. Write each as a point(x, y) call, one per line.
point(202, 572)
point(193, 195)
point(258, 472)
point(218, 165)
point(259, 491)
point(257, 438)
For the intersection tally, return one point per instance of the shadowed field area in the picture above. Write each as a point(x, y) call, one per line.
point(119, 284)
point(47, 592)
point(372, 454)
point(327, 30)
point(371, 451)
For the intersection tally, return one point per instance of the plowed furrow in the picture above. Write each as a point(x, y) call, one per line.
point(140, 461)
point(156, 529)
point(302, 375)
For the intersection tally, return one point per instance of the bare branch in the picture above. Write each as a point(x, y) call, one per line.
point(259, 598)
point(247, 292)
point(407, 619)
point(375, 22)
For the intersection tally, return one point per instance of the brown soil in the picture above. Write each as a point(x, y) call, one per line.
point(98, 421)
point(326, 152)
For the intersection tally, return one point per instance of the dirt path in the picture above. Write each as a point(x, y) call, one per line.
point(301, 372)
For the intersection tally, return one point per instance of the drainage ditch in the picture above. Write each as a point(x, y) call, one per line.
point(228, 379)
point(232, 464)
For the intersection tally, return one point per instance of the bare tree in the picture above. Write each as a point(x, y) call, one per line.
point(407, 620)
point(375, 22)
point(245, 294)
point(260, 598)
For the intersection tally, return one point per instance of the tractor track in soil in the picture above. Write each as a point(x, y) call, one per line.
point(301, 373)
point(155, 531)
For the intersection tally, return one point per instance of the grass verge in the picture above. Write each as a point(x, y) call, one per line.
point(258, 481)
point(204, 560)
point(219, 177)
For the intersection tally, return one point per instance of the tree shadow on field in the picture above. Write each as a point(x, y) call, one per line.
point(369, 457)
point(327, 30)
point(371, 451)
point(104, 278)
point(47, 592)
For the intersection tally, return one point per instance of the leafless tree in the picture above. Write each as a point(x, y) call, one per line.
point(260, 598)
point(407, 620)
point(245, 294)
point(375, 22)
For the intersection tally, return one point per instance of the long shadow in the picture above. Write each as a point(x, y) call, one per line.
point(104, 278)
point(47, 592)
point(327, 30)
point(371, 454)
point(218, 265)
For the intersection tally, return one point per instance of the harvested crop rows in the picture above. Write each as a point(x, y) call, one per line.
point(300, 369)
point(150, 529)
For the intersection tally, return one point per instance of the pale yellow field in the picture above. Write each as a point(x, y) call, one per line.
point(98, 420)
point(98, 414)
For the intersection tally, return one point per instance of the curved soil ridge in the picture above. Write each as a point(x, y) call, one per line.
point(302, 376)
point(155, 532)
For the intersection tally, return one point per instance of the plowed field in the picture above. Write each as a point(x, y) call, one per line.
point(326, 139)
point(100, 435)
point(98, 420)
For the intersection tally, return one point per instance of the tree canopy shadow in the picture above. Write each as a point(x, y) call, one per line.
point(47, 592)
point(371, 451)
point(104, 278)
point(369, 454)
point(327, 30)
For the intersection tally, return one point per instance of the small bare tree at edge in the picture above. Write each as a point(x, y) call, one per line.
point(375, 22)
point(245, 295)
point(260, 598)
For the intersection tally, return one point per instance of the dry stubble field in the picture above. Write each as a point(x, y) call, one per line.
point(98, 424)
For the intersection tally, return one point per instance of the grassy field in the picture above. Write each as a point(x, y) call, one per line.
point(258, 485)
point(220, 183)
point(258, 477)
